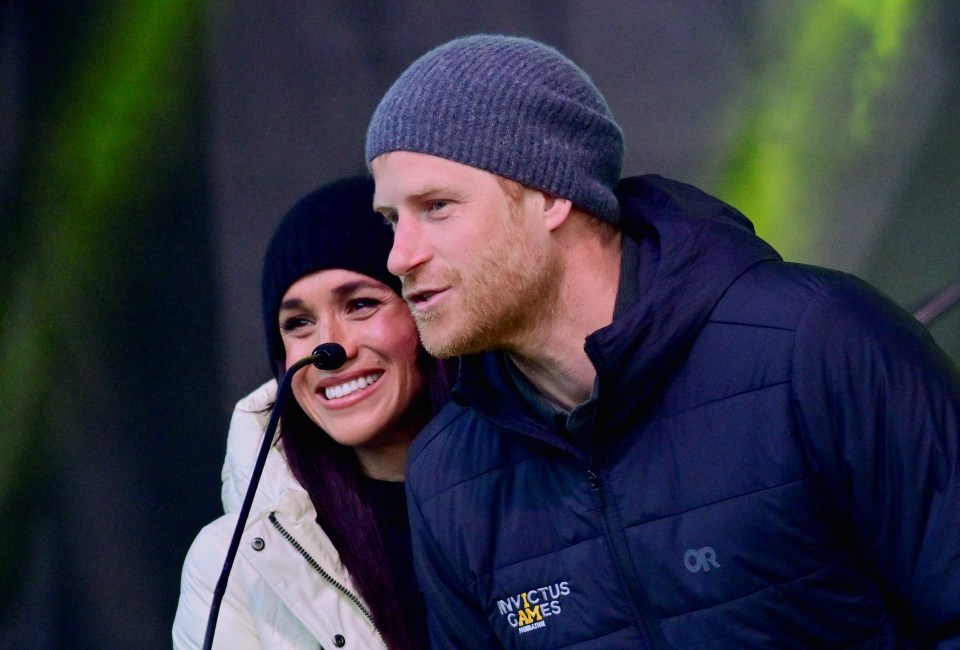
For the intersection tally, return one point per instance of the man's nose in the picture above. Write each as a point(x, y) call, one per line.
point(408, 250)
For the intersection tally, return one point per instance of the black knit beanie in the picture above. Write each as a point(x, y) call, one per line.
point(333, 227)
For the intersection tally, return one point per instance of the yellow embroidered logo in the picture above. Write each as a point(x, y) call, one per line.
point(528, 610)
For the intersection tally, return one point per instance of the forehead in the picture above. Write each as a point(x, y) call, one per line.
point(402, 174)
point(332, 283)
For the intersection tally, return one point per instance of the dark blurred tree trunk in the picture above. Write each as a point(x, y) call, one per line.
point(112, 429)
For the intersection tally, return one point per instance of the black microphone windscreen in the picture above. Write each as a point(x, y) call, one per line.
point(330, 356)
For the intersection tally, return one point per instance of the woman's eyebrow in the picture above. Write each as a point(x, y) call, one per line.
point(348, 288)
point(293, 303)
point(340, 291)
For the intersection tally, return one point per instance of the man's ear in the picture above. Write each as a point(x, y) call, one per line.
point(555, 211)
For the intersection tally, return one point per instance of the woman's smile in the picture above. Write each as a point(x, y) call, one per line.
point(351, 386)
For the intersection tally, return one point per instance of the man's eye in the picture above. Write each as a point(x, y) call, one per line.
point(389, 218)
point(438, 205)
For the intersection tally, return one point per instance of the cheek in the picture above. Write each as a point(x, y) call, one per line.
point(402, 338)
point(300, 386)
point(294, 351)
point(400, 343)
point(297, 347)
point(457, 245)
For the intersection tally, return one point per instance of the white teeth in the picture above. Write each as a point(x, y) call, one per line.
point(352, 386)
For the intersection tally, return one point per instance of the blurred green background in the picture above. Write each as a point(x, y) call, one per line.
point(148, 148)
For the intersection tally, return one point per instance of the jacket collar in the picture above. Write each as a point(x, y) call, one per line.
point(693, 247)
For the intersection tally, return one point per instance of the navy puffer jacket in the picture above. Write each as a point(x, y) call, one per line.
point(774, 464)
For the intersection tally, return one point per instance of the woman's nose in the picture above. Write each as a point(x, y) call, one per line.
point(339, 334)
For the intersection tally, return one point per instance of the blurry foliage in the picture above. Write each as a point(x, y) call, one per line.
point(837, 56)
point(102, 107)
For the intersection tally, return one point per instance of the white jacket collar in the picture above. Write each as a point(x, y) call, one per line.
point(247, 427)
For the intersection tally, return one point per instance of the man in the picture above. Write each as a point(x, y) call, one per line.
point(663, 435)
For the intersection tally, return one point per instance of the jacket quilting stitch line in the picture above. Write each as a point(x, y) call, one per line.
point(481, 476)
point(710, 504)
point(537, 556)
point(777, 585)
point(669, 414)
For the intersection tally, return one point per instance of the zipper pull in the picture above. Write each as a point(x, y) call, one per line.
point(594, 480)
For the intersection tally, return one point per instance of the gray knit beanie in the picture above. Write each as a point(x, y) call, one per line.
point(511, 106)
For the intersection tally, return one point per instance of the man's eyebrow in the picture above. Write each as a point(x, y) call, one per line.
point(420, 193)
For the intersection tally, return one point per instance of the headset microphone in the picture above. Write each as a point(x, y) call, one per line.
point(327, 356)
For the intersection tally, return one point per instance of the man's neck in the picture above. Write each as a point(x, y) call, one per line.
point(552, 358)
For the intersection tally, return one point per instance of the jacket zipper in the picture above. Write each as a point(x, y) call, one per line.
point(621, 554)
point(323, 574)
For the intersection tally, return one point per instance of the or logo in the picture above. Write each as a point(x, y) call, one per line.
point(700, 559)
point(529, 610)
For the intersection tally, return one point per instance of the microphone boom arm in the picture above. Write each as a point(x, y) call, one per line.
point(327, 357)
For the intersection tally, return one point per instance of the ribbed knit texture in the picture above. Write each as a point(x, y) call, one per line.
point(511, 106)
point(333, 227)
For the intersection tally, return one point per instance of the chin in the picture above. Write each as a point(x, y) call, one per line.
point(446, 340)
point(439, 345)
point(454, 347)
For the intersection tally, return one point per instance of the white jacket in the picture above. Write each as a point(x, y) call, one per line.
point(287, 588)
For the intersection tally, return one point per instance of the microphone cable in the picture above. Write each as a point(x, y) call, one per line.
point(328, 356)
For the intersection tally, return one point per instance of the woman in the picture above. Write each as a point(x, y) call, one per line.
point(325, 557)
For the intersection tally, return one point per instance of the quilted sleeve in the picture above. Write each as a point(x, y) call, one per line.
point(878, 408)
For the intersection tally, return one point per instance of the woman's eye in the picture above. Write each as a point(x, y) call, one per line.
point(292, 324)
point(362, 304)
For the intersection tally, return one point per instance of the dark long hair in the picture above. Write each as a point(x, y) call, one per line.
point(331, 475)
